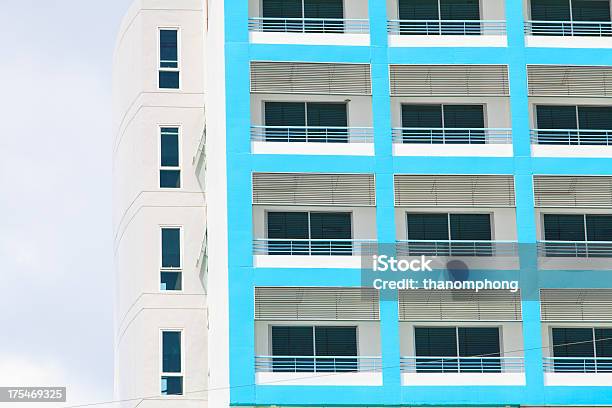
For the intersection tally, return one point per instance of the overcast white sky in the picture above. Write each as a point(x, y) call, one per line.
point(56, 306)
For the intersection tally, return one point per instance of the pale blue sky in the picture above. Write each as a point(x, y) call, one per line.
point(56, 307)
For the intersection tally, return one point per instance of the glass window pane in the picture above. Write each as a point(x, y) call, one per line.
point(591, 10)
point(323, 9)
point(550, 10)
point(564, 227)
point(330, 226)
point(170, 178)
point(463, 116)
point(169, 147)
point(435, 341)
point(170, 281)
point(479, 341)
point(292, 341)
point(285, 113)
point(427, 226)
point(595, 117)
point(556, 117)
point(168, 48)
point(171, 248)
point(470, 227)
point(459, 10)
point(418, 10)
point(293, 225)
point(604, 345)
point(168, 79)
point(282, 8)
point(336, 341)
point(171, 385)
point(171, 352)
point(425, 116)
point(572, 342)
point(326, 114)
point(599, 227)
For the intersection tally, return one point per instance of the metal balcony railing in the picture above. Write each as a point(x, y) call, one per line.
point(314, 364)
point(322, 247)
point(456, 248)
point(569, 28)
point(571, 137)
point(312, 134)
point(462, 364)
point(446, 27)
point(578, 365)
point(310, 25)
point(575, 249)
point(452, 135)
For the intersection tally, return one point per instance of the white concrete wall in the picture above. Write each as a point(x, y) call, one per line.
point(363, 218)
point(503, 220)
point(497, 109)
point(140, 207)
point(359, 111)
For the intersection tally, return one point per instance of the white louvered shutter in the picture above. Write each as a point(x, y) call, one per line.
point(573, 191)
point(574, 305)
point(310, 303)
point(564, 80)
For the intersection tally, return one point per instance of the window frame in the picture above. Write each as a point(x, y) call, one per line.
point(171, 269)
point(584, 225)
point(314, 339)
point(500, 331)
point(180, 374)
point(351, 215)
point(442, 105)
point(178, 57)
point(179, 167)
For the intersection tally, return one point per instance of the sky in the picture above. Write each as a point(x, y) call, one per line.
point(56, 305)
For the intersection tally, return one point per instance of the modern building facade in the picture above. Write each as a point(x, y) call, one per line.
point(264, 147)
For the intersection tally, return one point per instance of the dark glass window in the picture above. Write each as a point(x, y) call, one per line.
point(169, 174)
point(171, 280)
point(590, 10)
point(418, 10)
point(169, 79)
point(599, 227)
point(468, 118)
point(322, 12)
point(330, 225)
point(425, 116)
point(550, 10)
point(292, 225)
point(470, 227)
point(171, 352)
point(171, 248)
point(463, 116)
point(556, 117)
point(322, 118)
point(459, 10)
point(323, 9)
point(285, 113)
point(595, 117)
point(427, 226)
point(168, 48)
point(282, 8)
point(171, 385)
point(439, 343)
point(603, 344)
point(564, 227)
point(575, 348)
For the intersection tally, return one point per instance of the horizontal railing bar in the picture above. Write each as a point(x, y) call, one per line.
point(315, 134)
point(575, 249)
point(456, 248)
point(569, 28)
point(572, 137)
point(446, 27)
point(419, 135)
point(458, 364)
point(329, 247)
point(307, 24)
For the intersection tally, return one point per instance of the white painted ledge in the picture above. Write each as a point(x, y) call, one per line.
point(567, 42)
point(257, 37)
point(306, 261)
point(462, 379)
point(448, 41)
point(351, 379)
point(338, 149)
point(578, 379)
point(492, 150)
point(571, 151)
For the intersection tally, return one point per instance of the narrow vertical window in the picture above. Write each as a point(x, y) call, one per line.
point(169, 70)
point(171, 364)
point(171, 267)
point(169, 166)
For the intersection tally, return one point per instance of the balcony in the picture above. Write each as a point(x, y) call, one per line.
point(571, 24)
point(431, 371)
point(311, 253)
point(571, 143)
point(446, 23)
point(307, 22)
point(452, 141)
point(315, 370)
point(457, 248)
point(575, 249)
point(315, 140)
point(447, 33)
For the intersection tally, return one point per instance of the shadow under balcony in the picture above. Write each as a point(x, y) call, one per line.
point(452, 142)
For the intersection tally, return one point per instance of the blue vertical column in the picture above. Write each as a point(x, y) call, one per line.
point(239, 210)
point(525, 212)
point(385, 211)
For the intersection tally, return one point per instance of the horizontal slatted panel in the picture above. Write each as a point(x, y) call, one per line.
point(576, 305)
point(314, 189)
point(454, 190)
point(310, 78)
point(459, 305)
point(278, 303)
point(573, 191)
point(563, 80)
point(443, 80)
